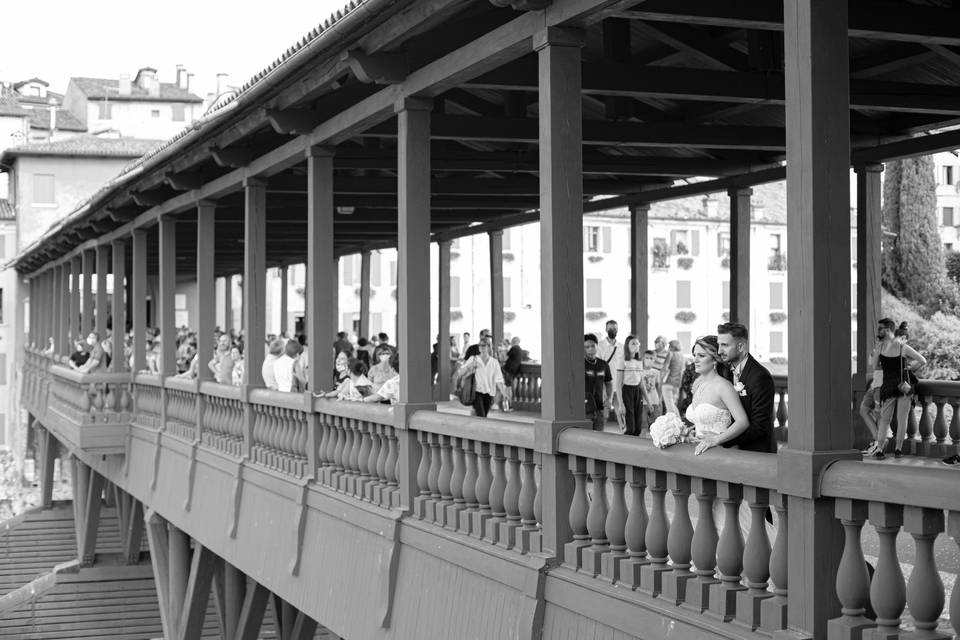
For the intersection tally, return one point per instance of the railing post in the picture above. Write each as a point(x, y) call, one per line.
point(853, 582)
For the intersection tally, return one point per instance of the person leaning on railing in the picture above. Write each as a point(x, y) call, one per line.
point(389, 391)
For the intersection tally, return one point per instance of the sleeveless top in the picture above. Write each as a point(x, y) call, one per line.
point(892, 367)
point(708, 419)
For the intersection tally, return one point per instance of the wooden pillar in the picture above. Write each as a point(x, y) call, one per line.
point(103, 267)
point(816, 48)
point(639, 272)
point(235, 590)
point(496, 286)
point(413, 267)
point(321, 288)
point(335, 301)
point(561, 257)
point(178, 556)
point(118, 363)
point(740, 255)
point(284, 304)
point(443, 340)
point(166, 307)
point(206, 288)
point(869, 235)
point(49, 449)
point(62, 303)
point(139, 300)
point(88, 264)
point(365, 294)
point(74, 324)
point(254, 277)
point(227, 303)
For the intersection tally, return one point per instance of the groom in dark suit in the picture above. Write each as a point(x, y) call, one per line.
point(753, 383)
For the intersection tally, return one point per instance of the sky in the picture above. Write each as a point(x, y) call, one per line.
point(57, 39)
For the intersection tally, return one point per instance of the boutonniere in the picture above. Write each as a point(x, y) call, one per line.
point(740, 389)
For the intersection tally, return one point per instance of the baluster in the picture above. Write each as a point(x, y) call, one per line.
point(925, 595)
point(258, 429)
point(390, 469)
point(444, 484)
point(338, 451)
point(926, 423)
point(332, 438)
point(888, 595)
point(572, 551)
point(423, 476)
point(853, 581)
point(433, 475)
point(756, 559)
point(723, 599)
point(470, 477)
point(782, 415)
point(303, 437)
point(527, 502)
point(346, 454)
point(679, 541)
point(537, 537)
point(451, 519)
point(483, 513)
point(363, 459)
point(953, 530)
point(658, 530)
point(616, 523)
point(940, 424)
point(592, 557)
point(636, 529)
point(773, 611)
point(353, 484)
point(703, 546)
point(378, 495)
point(912, 427)
point(373, 458)
point(497, 489)
point(511, 500)
point(955, 421)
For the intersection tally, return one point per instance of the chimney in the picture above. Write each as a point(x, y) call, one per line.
point(147, 80)
point(53, 117)
point(186, 84)
point(125, 86)
point(221, 83)
point(181, 73)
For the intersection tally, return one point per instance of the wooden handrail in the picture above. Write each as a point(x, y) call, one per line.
point(379, 413)
point(80, 377)
point(283, 399)
point(930, 486)
point(148, 379)
point(513, 434)
point(181, 384)
point(221, 390)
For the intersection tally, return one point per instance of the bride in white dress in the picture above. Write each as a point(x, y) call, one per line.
point(715, 410)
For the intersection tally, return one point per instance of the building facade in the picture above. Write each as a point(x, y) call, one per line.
point(947, 167)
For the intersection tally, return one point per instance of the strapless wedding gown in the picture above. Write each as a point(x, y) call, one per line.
point(708, 420)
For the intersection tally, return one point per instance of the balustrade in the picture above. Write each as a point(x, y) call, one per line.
point(526, 388)
point(90, 398)
point(222, 418)
point(181, 404)
point(148, 401)
point(280, 432)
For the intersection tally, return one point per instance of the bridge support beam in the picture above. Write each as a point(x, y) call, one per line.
point(102, 313)
point(443, 310)
point(496, 287)
point(740, 255)
point(88, 261)
point(321, 288)
point(87, 500)
point(49, 448)
point(639, 270)
point(119, 311)
point(284, 304)
point(139, 300)
point(364, 294)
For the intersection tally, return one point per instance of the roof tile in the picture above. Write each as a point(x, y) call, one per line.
point(91, 146)
point(105, 88)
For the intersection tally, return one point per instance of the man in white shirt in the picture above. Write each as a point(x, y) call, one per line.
point(275, 350)
point(284, 365)
point(611, 351)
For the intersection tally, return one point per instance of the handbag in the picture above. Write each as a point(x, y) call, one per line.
point(905, 387)
point(466, 390)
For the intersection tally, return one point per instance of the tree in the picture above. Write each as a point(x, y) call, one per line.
point(913, 264)
point(953, 265)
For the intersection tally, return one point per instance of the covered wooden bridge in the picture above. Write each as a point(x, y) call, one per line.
point(403, 123)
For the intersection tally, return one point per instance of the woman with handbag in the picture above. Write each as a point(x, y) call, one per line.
point(488, 377)
point(898, 362)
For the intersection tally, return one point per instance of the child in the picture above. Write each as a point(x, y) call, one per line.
point(651, 382)
point(356, 386)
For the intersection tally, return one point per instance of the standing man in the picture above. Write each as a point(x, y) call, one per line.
point(221, 365)
point(599, 383)
point(611, 352)
point(660, 353)
point(753, 384)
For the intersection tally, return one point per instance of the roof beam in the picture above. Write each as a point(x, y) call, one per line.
point(921, 145)
point(695, 43)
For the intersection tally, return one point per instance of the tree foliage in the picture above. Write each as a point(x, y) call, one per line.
point(937, 338)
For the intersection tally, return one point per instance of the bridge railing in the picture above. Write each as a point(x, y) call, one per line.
point(223, 423)
point(938, 421)
point(922, 501)
point(476, 477)
point(280, 432)
point(615, 540)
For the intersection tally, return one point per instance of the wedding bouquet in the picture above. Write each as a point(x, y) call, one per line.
point(668, 430)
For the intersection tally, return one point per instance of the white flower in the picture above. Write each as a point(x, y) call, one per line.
point(667, 430)
point(738, 387)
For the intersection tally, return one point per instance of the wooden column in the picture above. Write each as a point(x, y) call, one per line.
point(206, 288)
point(561, 258)
point(119, 310)
point(321, 288)
point(103, 267)
point(365, 294)
point(49, 449)
point(740, 255)
point(496, 286)
point(816, 48)
point(227, 303)
point(254, 277)
point(61, 303)
point(178, 557)
point(639, 272)
point(88, 264)
point(869, 235)
point(335, 300)
point(443, 340)
point(139, 300)
point(284, 304)
point(166, 307)
point(74, 321)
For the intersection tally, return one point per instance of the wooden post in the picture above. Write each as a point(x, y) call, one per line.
point(119, 311)
point(496, 286)
point(364, 294)
point(227, 303)
point(166, 307)
point(321, 288)
point(816, 48)
point(284, 304)
point(869, 217)
point(178, 557)
point(254, 278)
point(73, 323)
point(561, 251)
point(443, 344)
point(62, 303)
point(740, 255)
point(49, 449)
point(206, 287)
point(103, 267)
point(639, 272)
point(88, 264)
point(139, 300)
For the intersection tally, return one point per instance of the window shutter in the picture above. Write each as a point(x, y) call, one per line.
point(606, 239)
point(695, 242)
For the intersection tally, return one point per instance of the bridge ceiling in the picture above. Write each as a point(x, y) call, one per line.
point(671, 89)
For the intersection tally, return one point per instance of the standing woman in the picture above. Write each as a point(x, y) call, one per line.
point(633, 394)
point(897, 361)
point(672, 372)
point(487, 376)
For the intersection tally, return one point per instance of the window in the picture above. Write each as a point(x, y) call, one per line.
point(776, 342)
point(948, 175)
point(507, 303)
point(948, 216)
point(723, 245)
point(594, 293)
point(776, 295)
point(454, 291)
point(155, 113)
point(179, 113)
point(680, 241)
point(725, 295)
point(105, 110)
point(375, 268)
point(948, 246)
point(683, 294)
point(661, 255)
point(43, 192)
point(775, 243)
point(591, 239)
